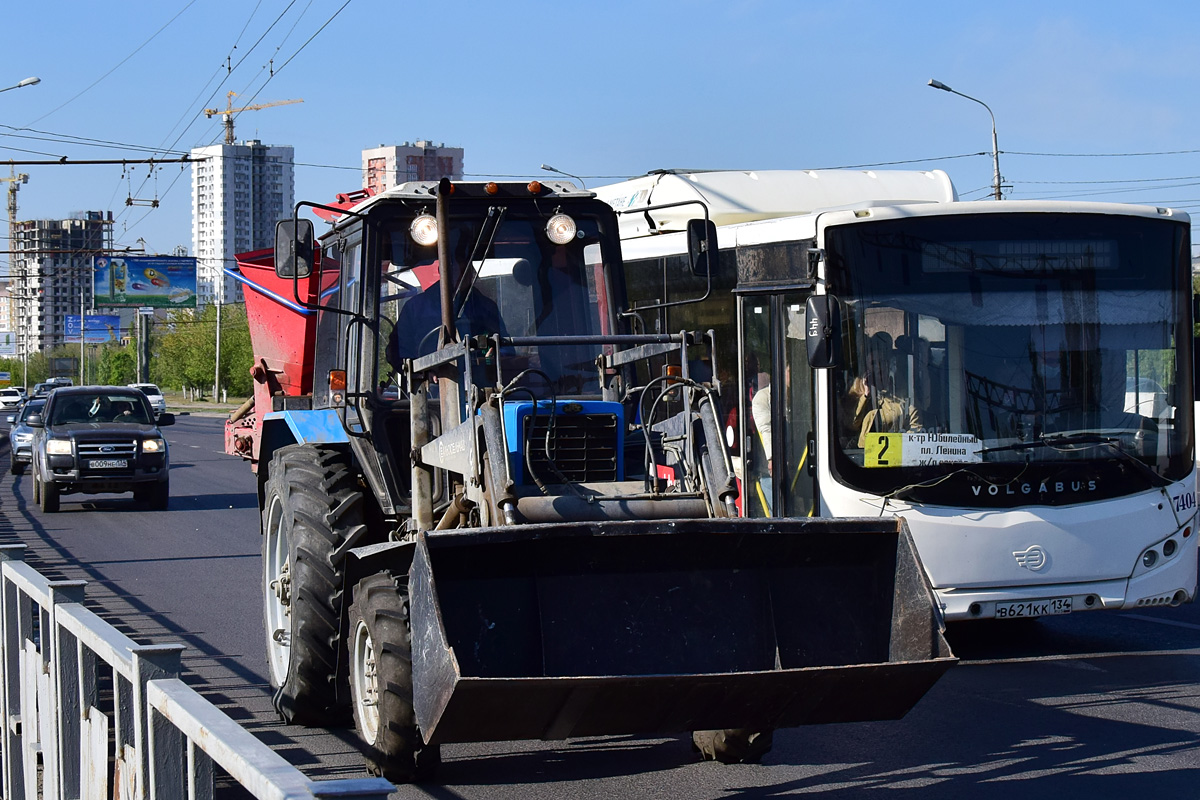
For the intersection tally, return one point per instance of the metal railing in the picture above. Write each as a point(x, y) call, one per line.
point(89, 714)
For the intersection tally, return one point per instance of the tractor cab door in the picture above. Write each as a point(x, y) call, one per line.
point(775, 407)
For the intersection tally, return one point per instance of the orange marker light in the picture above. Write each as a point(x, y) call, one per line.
point(491, 188)
point(535, 187)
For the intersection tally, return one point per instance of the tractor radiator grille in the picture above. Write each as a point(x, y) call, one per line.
point(583, 447)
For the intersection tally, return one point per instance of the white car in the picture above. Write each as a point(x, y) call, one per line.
point(154, 395)
point(10, 398)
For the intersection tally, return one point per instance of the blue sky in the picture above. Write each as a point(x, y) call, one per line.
point(605, 90)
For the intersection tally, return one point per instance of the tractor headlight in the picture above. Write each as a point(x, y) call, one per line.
point(58, 447)
point(561, 229)
point(424, 230)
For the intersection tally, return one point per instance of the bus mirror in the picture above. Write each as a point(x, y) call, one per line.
point(702, 247)
point(823, 331)
point(293, 248)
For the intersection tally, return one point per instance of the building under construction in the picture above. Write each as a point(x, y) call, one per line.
point(50, 274)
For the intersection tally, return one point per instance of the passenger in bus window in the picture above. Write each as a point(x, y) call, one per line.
point(760, 412)
point(871, 405)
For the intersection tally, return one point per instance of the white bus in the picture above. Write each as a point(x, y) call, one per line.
point(1014, 378)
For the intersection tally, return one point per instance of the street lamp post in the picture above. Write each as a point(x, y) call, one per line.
point(996, 180)
point(549, 168)
point(23, 84)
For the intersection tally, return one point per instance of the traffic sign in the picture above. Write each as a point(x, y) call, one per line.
point(146, 310)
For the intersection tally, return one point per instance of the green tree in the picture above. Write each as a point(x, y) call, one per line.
point(184, 350)
point(116, 366)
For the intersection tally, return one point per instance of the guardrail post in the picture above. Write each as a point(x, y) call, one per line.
point(200, 773)
point(63, 652)
point(10, 697)
point(164, 767)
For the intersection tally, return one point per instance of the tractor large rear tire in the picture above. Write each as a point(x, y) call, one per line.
point(312, 503)
point(381, 681)
point(733, 745)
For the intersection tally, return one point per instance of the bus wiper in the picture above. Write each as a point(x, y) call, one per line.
point(1069, 439)
point(1053, 440)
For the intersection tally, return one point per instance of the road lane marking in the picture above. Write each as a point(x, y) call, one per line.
point(1189, 625)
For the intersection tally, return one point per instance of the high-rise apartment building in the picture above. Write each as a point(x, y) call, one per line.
point(50, 274)
point(389, 165)
point(239, 192)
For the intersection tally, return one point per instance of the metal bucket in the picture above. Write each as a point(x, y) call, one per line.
point(586, 629)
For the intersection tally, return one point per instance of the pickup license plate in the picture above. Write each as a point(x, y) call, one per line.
point(108, 463)
point(1034, 608)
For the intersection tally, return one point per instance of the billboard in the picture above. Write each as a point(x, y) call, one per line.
point(97, 328)
point(8, 343)
point(158, 281)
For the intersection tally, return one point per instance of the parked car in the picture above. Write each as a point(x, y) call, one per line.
point(20, 436)
point(97, 439)
point(153, 394)
point(10, 398)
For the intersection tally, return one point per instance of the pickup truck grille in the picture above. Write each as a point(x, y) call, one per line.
point(93, 452)
point(114, 448)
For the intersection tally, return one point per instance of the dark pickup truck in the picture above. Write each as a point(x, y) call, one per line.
point(97, 439)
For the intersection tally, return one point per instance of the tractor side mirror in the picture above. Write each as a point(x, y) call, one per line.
point(294, 248)
point(823, 331)
point(702, 247)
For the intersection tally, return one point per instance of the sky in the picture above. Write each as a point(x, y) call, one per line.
point(1093, 100)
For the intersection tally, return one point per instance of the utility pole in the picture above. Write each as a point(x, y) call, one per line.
point(217, 370)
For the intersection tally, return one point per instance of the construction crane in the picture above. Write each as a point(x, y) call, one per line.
point(230, 111)
point(14, 181)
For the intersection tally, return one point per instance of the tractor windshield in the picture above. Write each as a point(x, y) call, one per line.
point(520, 285)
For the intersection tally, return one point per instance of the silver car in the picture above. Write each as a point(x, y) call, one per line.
point(20, 435)
point(154, 395)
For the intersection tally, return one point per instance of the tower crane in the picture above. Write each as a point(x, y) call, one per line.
point(229, 111)
point(14, 181)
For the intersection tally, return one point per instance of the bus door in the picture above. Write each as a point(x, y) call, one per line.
point(775, 407)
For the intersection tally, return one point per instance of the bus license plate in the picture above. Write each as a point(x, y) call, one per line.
point(108, 463)
point(1034, 608)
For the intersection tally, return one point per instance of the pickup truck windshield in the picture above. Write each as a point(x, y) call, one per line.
point(100, 408)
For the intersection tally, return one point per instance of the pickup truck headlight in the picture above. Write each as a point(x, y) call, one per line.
point(153, 446)
point(58, 447)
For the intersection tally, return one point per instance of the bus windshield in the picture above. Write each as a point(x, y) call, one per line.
point(1006, 359)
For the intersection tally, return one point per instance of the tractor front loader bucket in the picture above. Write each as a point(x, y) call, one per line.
point(586, 629)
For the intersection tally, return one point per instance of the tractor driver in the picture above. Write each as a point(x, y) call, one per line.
point(420, 319)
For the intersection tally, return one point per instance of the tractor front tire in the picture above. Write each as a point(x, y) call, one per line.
point(381, 681)
point(312, 503)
